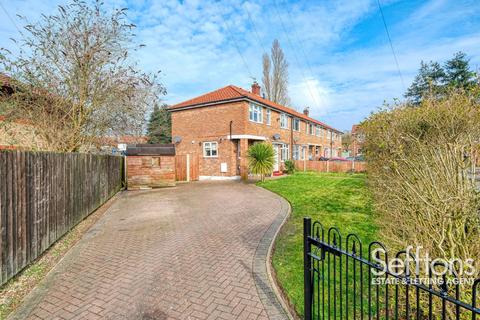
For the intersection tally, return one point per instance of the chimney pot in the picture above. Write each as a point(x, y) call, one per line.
point(256, 88)
point(306, 111)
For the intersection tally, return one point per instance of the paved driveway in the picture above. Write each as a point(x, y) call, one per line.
point(196, 251)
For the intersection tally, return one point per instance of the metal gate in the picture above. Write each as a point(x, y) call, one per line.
point(344, 280)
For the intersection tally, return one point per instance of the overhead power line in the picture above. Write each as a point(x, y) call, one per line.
point(300, 44)
point(294, 53)
point(391, 44)
point(260, 42)
point(10, 18)
point(227, 27)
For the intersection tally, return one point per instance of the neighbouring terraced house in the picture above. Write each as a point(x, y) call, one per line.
point(219, 126)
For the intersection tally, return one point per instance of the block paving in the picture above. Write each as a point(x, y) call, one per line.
point(196, 251)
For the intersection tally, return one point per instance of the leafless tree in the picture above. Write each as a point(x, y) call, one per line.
point(75, 79)
point(275, 81)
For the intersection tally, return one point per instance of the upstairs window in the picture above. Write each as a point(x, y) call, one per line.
point(210, 149)
point(255, 113)
point(284, 121)
point(317, 131)
point(268, 117)
point(311, 129)
point(296, 124)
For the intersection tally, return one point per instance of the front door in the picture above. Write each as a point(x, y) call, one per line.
point(276, 166)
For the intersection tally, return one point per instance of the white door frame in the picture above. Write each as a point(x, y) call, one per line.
point(276, 163)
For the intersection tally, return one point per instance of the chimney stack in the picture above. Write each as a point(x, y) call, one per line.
point(255, 88)
point(306, 111)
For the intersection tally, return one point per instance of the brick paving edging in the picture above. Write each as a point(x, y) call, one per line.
point(267, 289)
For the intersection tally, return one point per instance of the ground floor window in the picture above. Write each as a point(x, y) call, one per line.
point(298, 152)
point(284, 152)
point(210, 149)
point(327, 153)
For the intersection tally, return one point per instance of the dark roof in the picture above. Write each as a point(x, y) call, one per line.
point(234, 93)
point(150, 150)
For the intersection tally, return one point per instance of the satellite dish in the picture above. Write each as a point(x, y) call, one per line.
point(177, 139)
point(276, 136)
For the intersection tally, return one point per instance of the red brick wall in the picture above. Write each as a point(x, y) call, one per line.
point(150, 171)
point(199, 125)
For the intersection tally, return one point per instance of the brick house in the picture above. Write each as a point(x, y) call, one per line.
point(357, 141)
point(219, 126)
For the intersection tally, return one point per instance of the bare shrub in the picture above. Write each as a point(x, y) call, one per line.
point(421, 162)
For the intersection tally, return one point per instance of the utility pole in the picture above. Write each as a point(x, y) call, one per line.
point(331, 143)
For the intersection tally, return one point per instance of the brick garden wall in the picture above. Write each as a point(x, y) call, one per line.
point(150, 171)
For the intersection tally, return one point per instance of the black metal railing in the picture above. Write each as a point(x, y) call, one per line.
point(344, 280)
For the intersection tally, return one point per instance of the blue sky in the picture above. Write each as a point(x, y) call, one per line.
point(341, 64)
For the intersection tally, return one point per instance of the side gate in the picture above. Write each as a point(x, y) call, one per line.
point(345, 280)
point(186, 167)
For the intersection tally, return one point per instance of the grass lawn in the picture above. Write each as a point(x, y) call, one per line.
point(334, 199)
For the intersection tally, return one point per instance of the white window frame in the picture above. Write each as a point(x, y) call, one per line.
point(283, 121)
point(268, 117)
point(317, 131)
point(284, 152)
point(255, 111)
point(296, 123)
point(208, 146)
point(311, 129)
point(298, 152)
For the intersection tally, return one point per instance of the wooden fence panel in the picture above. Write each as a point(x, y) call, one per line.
point(181, 167)
point(331, 166)
point(43, 195)
point(194, 167)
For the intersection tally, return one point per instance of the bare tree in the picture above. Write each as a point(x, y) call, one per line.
point(75, 79)
point(275, 81)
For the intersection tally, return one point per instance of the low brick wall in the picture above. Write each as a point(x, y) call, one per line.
point(150, 172)
point(331, 166)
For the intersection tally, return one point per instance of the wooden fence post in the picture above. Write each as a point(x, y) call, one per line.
point(188, 167)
